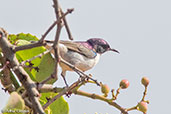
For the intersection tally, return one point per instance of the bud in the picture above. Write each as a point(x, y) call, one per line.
point(124, 84)
point(105, 89)
point(142, 106)
point(145, 81)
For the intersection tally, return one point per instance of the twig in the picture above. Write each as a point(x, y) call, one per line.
point(114, 97)
point(44, 88)
point(64, 91)
point(55, 73)
point(56, 8)
point(74, 89)
point(56, 41)
point(102, 98)
point(132, 108)
point(55, 23)
point(5, 66)
point(66, 26)
point(28, 46)
point(54, 98)
point(38, 56)
point(40, 42)
point(144, 94)
point(59, 25)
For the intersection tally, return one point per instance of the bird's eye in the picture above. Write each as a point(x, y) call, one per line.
point(100, 49)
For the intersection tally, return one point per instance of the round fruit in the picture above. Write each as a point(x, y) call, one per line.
point(105, 89)
point(142, 106)
point(15, 101)
point(124, 84)
point(145, 81)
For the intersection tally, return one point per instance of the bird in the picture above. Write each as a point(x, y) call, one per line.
point(83, 55)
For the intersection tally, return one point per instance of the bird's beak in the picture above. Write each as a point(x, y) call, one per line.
point(113, 50)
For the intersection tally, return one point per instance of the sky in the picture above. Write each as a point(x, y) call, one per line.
point(139, 29)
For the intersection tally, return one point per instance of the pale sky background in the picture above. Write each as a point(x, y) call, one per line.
point(139, 29)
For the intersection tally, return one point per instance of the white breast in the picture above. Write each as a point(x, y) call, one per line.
point(78, 60)
point(97, 59)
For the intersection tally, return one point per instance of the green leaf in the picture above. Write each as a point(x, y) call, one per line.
point(60, 106)
point(28, 37)
point(45, 70)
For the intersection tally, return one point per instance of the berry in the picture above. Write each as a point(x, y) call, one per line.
point(142, 106)
point(145, 81)
point(124, 84)
point(15, 101)
point(105, 89)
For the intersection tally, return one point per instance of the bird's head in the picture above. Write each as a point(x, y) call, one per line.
point(100, 45)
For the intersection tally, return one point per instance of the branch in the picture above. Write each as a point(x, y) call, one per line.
point(74, 89)
point(44, 88)
point(144, 93)
point(67, 27)
point(24, 78)
point(102, 98)
point(28, 46)
point(64, 91)
point(56, 41)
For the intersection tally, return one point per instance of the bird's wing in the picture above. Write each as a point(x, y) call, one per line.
point(79, 48)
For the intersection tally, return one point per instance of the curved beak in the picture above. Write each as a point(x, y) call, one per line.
point(113, 50)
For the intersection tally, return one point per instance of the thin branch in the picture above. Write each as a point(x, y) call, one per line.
point(56, 8)
point(114, 97)
point(55, 73)
point(5, 65)
point(74, 89)
point(56, 23)
point(44, 88)
point(54, 98)
point(144, 93)
point(64, 91)
point(100, 97)
point(41, 43)
point(56, 41)
point(59, 26)
point(38, 56)
point(67, 26)
point(28, 46)
point(132, 108)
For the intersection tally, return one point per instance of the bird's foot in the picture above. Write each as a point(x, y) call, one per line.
point(63, 76)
